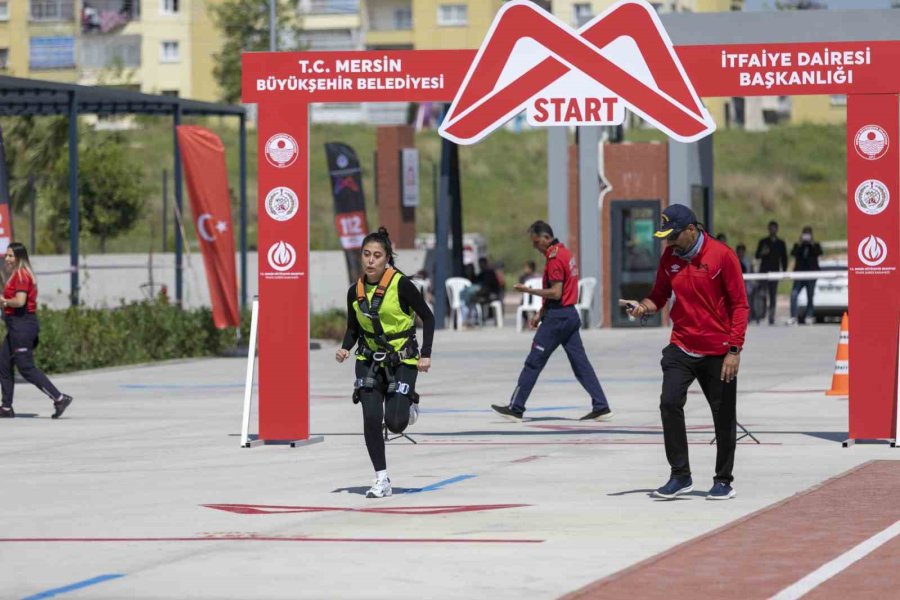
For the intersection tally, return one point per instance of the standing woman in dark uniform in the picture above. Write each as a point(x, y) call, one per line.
point(381, 312)
point(19, 302)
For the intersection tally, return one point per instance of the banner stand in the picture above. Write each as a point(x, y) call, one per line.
point(246, 442)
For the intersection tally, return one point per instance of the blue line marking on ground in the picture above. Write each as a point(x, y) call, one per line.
point(440, 484)
point(433, 411)
point(74, 586)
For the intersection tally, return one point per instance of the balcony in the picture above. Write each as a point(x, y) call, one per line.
point(51, 10)
point(389, 15)
point(328, 7)
point(105, 16)
point(102, 52)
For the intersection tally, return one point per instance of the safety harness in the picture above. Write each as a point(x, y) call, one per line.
point(386, 356)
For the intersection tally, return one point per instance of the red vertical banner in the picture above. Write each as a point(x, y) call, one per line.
point(203, 156)
point(873, 248)
point(283, 245)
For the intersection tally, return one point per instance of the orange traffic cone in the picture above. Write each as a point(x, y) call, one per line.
point(840, 382)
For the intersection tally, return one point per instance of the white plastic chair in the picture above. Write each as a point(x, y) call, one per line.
point(455, 287)
point(530, 302)
point(422, 286)
point(496, 307)
point(586, 289)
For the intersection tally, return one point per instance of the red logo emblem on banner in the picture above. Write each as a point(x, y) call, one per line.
point(282, 256)
point(530, 60)
point(282, 150)
point(871, 142)
point(872, 251)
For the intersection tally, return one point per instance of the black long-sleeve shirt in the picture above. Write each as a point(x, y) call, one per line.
point(409, 297)
point(772, 255)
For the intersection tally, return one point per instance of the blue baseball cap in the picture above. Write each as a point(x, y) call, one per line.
point(675, 218)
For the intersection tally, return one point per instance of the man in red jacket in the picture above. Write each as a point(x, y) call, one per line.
point(709, 318)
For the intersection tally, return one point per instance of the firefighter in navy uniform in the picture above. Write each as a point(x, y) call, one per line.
point(559, 326)
point(381, 311)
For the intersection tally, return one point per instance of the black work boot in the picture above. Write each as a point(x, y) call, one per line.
point(61, 405)
point(7, 412)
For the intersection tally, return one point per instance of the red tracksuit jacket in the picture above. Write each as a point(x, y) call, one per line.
point(709, 311)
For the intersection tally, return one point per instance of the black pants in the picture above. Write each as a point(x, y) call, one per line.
point(381, 407)
point(18, 350)
point(773, 298)
point(679, 371)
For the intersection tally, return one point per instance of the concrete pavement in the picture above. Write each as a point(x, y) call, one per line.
point(143, 478)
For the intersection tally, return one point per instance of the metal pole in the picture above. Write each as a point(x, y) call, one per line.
point(558, 181)
point(243, 191)
point(179, 287)
point(165, 211)
point(590, 238)
point(273, 33)
point(32, 199)
point(442, 227)
point(73, 199)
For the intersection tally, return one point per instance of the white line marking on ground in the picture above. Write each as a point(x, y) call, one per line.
point(830, 569)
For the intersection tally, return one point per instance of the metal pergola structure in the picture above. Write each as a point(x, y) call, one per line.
point(21, 97)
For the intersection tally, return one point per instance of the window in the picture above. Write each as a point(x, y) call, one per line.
point(453, 15)
point(172, 93)
point(168, 7)
point(51, 52)
point(582, 13)
point(52, 10)
point(403, 18)
point(169, 52)
point(4, 58)
point(4, 10)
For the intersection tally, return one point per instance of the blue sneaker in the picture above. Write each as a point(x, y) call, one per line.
point(675, 487)
point(721, 491)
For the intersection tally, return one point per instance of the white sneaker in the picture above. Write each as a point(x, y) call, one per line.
point(381, 489)
point(413, 413)
point(791, 322)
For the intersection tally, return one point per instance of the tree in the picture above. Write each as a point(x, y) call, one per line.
point(111, 192)
point(245, 27)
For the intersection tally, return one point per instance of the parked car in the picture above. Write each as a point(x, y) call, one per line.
point(832, 295)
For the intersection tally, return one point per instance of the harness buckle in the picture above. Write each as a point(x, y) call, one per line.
point(379, 356)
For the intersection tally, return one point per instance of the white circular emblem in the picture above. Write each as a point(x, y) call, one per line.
point(872, 251)
point(872, 142)
point(342, 161)
point(872, 196)
point(282, 256)
point(282, 203)
point(281, 150)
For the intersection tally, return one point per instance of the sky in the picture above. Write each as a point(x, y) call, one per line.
point(836, 4)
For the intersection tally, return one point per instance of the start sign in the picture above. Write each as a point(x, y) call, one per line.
point(576, 111)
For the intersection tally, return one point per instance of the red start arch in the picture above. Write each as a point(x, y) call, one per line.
point(623, 59)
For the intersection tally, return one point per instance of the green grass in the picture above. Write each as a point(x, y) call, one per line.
point(795, 175)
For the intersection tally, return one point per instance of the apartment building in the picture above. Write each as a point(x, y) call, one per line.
point(155, 46)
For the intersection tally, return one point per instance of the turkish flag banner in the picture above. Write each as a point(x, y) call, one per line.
point(203, 157)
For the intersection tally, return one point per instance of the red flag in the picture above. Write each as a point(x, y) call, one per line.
point(203, 156)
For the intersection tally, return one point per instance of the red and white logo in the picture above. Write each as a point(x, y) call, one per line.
point(531, 60)
point(872, 251)
point(871, 142)
point(872, 197)
point(282, 256)
point(282, 203)
point(281, 150)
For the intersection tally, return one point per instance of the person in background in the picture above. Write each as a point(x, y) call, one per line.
point(772, 255)
point(19, 304)
point(722, 238)
point(806, 255)
point(559, 326)
point(741, 251)
point(528, 271)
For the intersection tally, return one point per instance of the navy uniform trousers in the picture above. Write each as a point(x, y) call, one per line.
point(560, 327)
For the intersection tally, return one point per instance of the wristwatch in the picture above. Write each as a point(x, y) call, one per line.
point(734, 350)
